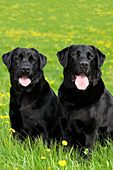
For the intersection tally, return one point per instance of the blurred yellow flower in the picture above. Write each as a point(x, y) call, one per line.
point(61, 75)
point(42, 157)
point(11, 129)
point(51, 82)
point(2, 95)
point(64, 142)
point(6, 122)
point(48, 150)
point(1, 117)
point(8, 94)
point(62, 162)
point(49, 59)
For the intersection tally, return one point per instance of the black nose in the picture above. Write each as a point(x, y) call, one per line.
point(25, 69)
point(84, 65)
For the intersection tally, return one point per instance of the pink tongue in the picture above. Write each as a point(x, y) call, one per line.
point(24, 81)
point(81, 82)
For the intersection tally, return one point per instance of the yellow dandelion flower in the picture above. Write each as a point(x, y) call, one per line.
point(11, 129)
point(6, 122)
point(61, 75)
point(107, 73)
point(46, 78)
point(43, 158)
point(1, 117)
point(64, 143)
point(51, 82)
point(2, 95)
point(108, 53)
point(112, 61)
point(8, 94)
point(62, 162)
point(49, 168)
point(48, 150)
point(110, 66)
point(49, 59)
point(0, 104)
point(4, 104)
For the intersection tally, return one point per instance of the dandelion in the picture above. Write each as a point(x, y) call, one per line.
point(4, 104)
point(112, 61)
point(49, 168)
point(46, 78)
point(108, 53)
point(49, 59)
point(51, 82)
point(8, 94)
point(11, 129)
point(48, 150)
point(7, 122)
point(62, 163)
point(64, 143)
point(107, 73)
point(110, 66)
point(61, 75)
point(1, 117)
point(2, 95)
point(43, 158)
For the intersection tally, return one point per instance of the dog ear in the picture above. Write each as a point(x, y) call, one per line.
point(100, 57)
point(43, 61)
point(6, 58)
point(63, 56)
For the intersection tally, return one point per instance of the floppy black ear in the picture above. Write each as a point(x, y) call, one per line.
point(6, 58)
point(63, 56)
point(43, 61)
point(100, 57)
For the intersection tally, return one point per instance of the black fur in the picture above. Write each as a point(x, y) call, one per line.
point(33, 109)
point(87, 114)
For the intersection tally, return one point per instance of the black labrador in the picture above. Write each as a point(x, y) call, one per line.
point(33, 104)
point(87, 106)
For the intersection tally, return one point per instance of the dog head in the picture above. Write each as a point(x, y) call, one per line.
point(81, 65)
point(24, 65)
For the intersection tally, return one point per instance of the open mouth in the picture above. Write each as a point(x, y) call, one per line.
point(81, 81)
point(24, 81)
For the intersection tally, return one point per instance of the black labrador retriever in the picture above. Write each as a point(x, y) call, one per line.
point(87, 106)
point(33, 104)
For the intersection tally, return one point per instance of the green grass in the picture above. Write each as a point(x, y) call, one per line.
point(50, 26)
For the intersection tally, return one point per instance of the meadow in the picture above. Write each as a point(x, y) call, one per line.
point(50, 26)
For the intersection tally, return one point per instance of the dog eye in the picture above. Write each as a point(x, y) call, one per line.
point(90, 57)
point(75, 55)
point(32, 59)
point(17, 59)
